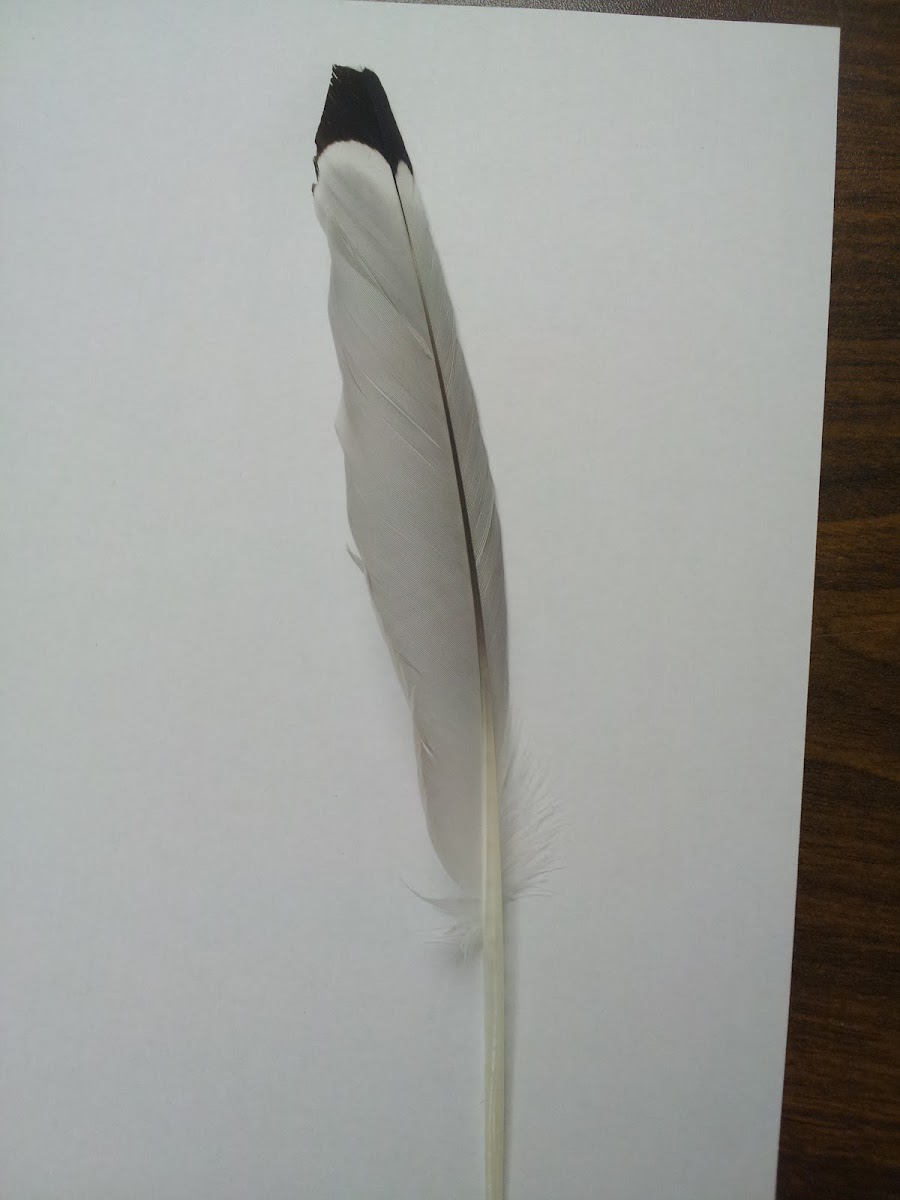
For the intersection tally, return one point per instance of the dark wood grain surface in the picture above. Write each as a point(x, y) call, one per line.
point(841, 1120)
point(840, 1135)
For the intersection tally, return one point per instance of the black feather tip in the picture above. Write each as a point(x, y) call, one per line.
point(357, 110)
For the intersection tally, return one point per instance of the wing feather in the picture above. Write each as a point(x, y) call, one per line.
point(407, 402)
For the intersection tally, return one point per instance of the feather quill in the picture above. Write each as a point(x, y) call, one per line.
point(423, 515)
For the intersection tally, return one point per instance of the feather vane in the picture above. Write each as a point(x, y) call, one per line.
point(422, 512)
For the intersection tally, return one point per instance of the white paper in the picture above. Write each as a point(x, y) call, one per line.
point(215, 983)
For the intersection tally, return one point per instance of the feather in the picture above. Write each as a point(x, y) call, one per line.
point(424, 518)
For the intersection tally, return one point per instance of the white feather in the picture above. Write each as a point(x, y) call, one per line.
point(424, 518)
point(402, 494)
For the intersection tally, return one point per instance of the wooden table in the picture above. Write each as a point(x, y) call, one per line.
point(840, 1134)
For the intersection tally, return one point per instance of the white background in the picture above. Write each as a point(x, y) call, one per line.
point(215, 984)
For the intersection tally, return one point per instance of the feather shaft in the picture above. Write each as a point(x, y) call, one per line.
point(493, 970)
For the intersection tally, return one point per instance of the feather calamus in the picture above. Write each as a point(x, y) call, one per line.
point(423, 515)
